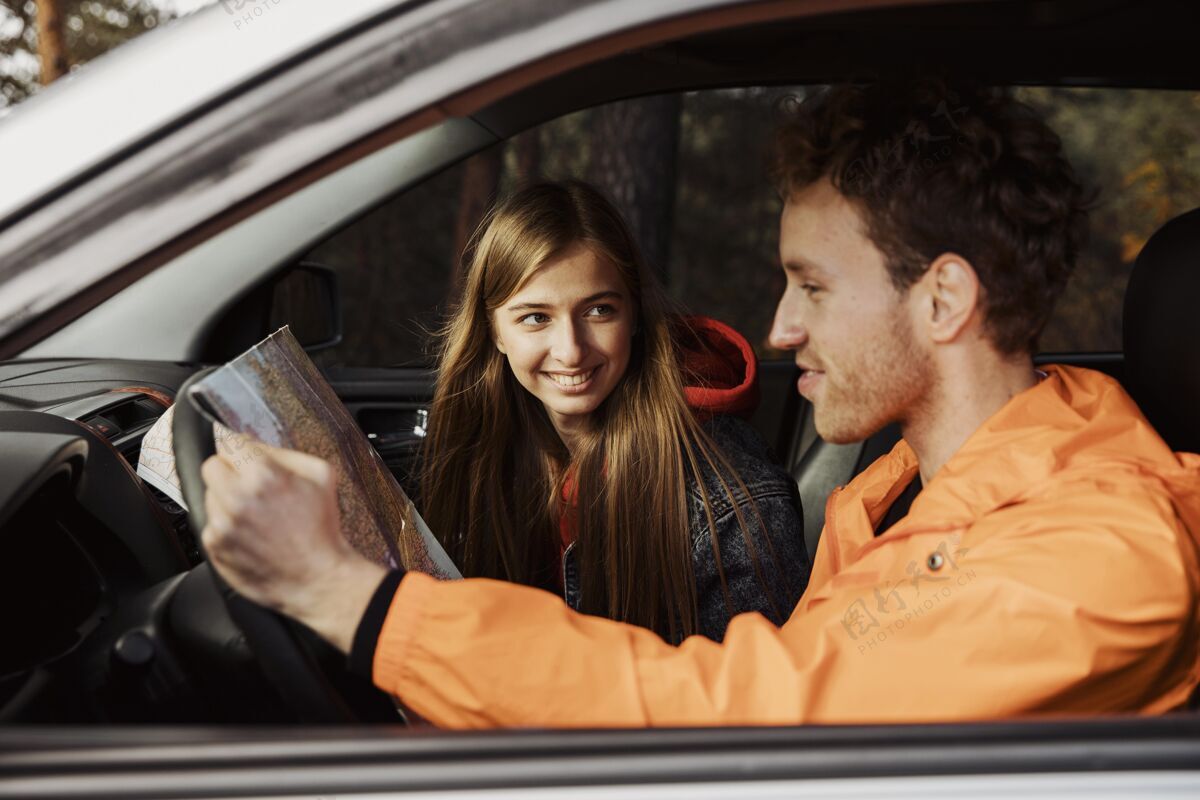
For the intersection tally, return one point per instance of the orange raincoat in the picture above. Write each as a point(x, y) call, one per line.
point(1050, 566)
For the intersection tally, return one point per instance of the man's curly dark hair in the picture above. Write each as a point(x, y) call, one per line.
point(934, 168)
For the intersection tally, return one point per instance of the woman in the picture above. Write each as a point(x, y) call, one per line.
point(565, 450)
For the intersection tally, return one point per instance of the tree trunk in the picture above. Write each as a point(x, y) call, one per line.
point(529, 156)
point(51, 51)
point(481, 179)
point(634, 145)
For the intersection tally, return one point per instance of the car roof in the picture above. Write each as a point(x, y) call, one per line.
point(156, 81)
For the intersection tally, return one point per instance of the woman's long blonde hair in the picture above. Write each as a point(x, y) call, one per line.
point(494, 468)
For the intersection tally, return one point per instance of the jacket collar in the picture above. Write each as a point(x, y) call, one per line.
point(1073, 417)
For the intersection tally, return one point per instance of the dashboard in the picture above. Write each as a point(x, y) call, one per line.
point(111, 613)
point(90, 555)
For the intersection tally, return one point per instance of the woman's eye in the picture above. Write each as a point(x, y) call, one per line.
point(533, 319)
point(810, 289)
point(600, 311)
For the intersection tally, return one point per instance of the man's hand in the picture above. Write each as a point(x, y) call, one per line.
point(274, 533)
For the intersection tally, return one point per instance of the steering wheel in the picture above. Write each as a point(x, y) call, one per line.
point(286, 651)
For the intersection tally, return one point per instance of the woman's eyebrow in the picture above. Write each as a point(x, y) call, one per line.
point(527, 307)
point(609, 294)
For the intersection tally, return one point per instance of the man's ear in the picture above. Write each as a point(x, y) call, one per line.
point(952, 289)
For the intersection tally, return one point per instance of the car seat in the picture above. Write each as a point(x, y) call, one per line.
point(1162, 361)
point(1162, 331)
point(819, 467)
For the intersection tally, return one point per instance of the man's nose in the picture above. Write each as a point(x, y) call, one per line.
point(569, 344)
point(788, 331)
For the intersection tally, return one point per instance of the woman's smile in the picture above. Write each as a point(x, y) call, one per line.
point(573, 383)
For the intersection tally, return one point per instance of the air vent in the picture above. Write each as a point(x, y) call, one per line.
point(124, 423)
point(132, 415)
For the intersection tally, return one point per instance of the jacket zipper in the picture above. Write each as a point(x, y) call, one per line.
point(563, 568)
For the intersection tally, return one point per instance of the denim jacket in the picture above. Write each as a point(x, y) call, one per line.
point(782, 558)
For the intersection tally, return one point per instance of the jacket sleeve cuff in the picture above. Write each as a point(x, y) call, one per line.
point(366, 637)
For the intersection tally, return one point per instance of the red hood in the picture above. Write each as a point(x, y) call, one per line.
point(720, 370)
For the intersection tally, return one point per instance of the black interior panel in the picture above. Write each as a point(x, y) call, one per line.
point(46, 383)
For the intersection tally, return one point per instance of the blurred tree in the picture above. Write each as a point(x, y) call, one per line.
point(480, 183)
point(51, 52)
point(488, 174)
point(395, 276)
point(88, 28)
point(94, 27)
point(1140, 149)
point(634, 145)
point(527, 151)
point(725, 250)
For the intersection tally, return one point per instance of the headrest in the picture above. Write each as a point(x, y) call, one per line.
point(1162, 331)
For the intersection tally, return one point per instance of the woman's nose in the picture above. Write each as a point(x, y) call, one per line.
point(569, 345)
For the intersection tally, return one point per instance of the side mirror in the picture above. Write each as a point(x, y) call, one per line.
point(307, 299)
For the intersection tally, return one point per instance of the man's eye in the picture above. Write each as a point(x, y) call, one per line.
point(810, 289)
point(535, 318)
point(601, 310)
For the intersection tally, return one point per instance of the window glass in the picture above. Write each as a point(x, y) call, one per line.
point(1140, 151)
point(395, 269)
point(690, 173)
point(687, 170)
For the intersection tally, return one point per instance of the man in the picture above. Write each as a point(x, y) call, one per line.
point(1048, 563)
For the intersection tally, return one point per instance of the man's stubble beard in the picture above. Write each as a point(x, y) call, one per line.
point(881, 382)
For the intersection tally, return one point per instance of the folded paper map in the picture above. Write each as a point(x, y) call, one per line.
point(273, 393)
